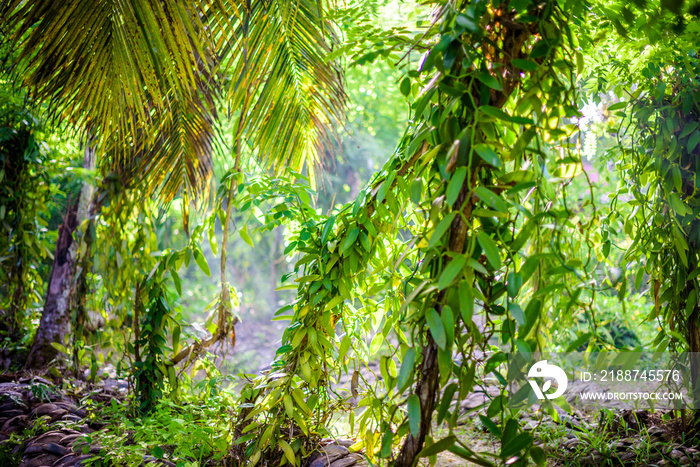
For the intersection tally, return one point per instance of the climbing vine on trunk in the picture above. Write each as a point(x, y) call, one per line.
point(655, 121)
point(463, 239)
point(25, 171)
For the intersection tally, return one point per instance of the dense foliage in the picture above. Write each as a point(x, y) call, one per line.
point(485, 233)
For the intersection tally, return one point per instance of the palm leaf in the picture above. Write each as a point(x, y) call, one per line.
point(136, 75)
point(178, 160)
point(108, 65)
point(292, 98)
point(140, 77)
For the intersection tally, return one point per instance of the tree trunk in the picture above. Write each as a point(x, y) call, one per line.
point(56, 317)
point(694, 349)
point(694, 343)
point(427, 387)
point(514, 36)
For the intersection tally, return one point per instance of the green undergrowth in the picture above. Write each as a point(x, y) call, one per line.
point(8, 458)
point(194, 431)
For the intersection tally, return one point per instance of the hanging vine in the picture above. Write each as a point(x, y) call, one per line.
point(24, 195)
point(653, 74)
point(464, 238)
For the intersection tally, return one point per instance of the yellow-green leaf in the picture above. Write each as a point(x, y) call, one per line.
point(245, 236)
point(201, 261)
point(288, 451)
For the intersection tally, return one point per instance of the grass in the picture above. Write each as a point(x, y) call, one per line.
point(188, 432)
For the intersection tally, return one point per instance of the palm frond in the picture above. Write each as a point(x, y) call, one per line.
point(292, 98)
point(136, 75)
point(178, 159)
point(140, 77)
point(109, 66)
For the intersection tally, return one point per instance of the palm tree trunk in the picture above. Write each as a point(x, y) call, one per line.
point(56, 317)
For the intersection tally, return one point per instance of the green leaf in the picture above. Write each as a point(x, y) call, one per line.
point(212, 239)
point(288, 451)
point(406, 370)
point(436, 448)
point(176, 281)
point(466, 301)
point(448, 322)
point(523, 64)
point(416, 190)
point(523, 236)
point(579, 63)
point(327, 229)
point(436, 328)
point(488, 155)
point(446, 401)
point(517, 313)
point(521, 143)
point(441, 228)
point(467, 23)
point(445, 363)
point(515, 282)
point(60, 348)
point(678, 205)
point(638, 277)
point(288, 405)
point(617, 106)
point(532, 314)
point(455, 185)
point(490, 81)
point(350, 239)
point(201, 261)
point(414, 414)
point(688, 129)
point(516, 445)
point(419, 105)
point(540, 49)
point(470, 456)
point(453, 268)
point(490, 249)
point(690, 302)
point(490, 199)
point(406, 86)
point(530, 266)
point(677, 178)
point(495, 112)
point(693, 140)
point(490, 425)
point(580, 340)
point(244, 235)
point(539, 456)
point(496, 406)
point(387, 441)
point(376, 343)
